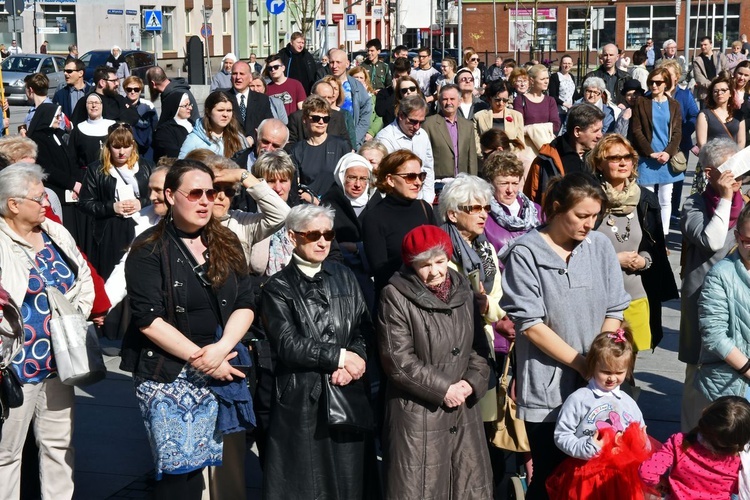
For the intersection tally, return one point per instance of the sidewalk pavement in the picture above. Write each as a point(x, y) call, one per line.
point(113, 459)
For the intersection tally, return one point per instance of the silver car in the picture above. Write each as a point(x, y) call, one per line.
point(19, 66)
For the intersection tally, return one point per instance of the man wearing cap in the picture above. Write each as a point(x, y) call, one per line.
point(631, 91)
point(223, 79)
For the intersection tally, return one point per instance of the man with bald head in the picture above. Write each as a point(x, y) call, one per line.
point(250, 108)
point(613, 78)
point(356, 99)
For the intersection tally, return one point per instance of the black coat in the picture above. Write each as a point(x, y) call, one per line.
point(299, 65)
point(54, 156)
point(385, 105)
point(150, 272)
point(169, 135)
point(327, 464)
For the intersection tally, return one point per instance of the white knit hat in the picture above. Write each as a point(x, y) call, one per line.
point(229, 56)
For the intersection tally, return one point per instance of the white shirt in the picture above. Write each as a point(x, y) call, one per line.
point(393, 138)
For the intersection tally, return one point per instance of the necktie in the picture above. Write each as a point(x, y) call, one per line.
point(243, 108)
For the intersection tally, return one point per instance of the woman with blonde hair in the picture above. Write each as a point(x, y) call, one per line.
point(471, 62)
point(535, 105)
point(376, 122)
point(219, 129)
point(114, 189)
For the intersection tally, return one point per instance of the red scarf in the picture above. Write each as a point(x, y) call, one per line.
point(443, 290)
point(711, 198)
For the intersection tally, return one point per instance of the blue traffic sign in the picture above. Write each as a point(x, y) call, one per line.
point(320, 24)
point(276, 7)
point(351, 21)
point(153, 20)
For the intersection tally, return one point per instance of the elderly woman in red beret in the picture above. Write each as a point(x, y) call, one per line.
point(433, 436)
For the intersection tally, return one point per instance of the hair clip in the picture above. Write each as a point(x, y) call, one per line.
point(618, 336)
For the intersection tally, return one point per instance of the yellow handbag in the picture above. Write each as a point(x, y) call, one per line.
point(510, 431)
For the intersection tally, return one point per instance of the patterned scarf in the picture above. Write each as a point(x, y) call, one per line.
point(622, 202)
point(526, 220)
point(279, 252)
point(443, 290)
point(476, 256)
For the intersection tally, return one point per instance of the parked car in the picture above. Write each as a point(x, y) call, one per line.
point(138, 62)
point(19, 66)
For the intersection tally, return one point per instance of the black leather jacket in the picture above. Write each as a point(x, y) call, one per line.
point(156, 274)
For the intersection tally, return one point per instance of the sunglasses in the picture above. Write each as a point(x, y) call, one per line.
point(474, 209)
point(474, 59)
point(196, 194)
point(228, 191)
point(132, 89)
point(413, 122)
point(466, 79)
point(274, 67)
point(500, 99)
point(319, 118)
point(115, 126)
point(411, 177)
point(408, 90)
point(313, 236)
point(69, 71)
point(658, 83)
point(618, 158)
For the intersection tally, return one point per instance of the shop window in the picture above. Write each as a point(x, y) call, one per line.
point(590, 28)
point(643, 22)
point(522, 36)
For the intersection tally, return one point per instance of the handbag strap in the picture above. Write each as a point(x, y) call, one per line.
point(723, 125)
point(506, 367)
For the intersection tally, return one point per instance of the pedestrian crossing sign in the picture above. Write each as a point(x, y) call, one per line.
point(153, 20)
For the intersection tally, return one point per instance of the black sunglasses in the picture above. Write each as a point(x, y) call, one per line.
point(115, 126)
point(132, 89)
point(411, 177)
point(319, 118)
point(69, 71)
point(274, 67)
point(228, 191)
point(313, 236)
point(413, 121)
point(407, 90)
point(196, 194)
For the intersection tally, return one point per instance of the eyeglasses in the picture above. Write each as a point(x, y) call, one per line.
point(745, 242)
point(69, 71)
point(408, 90)
point(658, 83)
point(196, 194)
point(313, 236)
point(413, 122)
point(274, 67)
point(188, 105)
point(474, 59)
point(354, 178)
point(411, 177)
point(466, 79)
point(132, 89)
point(720, 91)
point(94, 103)
point(619, 158)
point(500, 99)
point(39, 199)
point(593, 92)
point(475, 209)
point(117, 125)
point(228, 191)
point(425, 56)
point(115, 79)
point(319, 118)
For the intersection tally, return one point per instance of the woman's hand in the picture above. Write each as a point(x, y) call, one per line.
point(482, 301)
point(506, 328)
point(455, 396)
point(662, 157)
point(209, 358)
point(305, 196)
point(631, 261)
point(354, 365)
point(341, 377)
point(226, 372)
point(126, 207)
point(726, 185)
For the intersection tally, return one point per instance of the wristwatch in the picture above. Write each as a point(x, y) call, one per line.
point(244, 176)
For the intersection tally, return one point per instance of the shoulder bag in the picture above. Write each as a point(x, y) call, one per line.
point(678, 162)
point(75, 346)
point(510, 431)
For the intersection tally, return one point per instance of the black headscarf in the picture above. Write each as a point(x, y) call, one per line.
point(169, 107)
point(42, 120)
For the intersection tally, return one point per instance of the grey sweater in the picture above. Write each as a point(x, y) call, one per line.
point(572, 299)
point(589, 409)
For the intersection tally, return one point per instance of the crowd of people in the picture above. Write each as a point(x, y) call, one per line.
point(333, 262)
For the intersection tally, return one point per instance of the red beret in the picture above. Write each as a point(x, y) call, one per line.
point(423, 238)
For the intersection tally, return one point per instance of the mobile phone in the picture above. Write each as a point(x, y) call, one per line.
point(474, 280)
point(243, 368)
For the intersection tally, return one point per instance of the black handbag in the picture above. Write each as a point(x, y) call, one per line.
point(11, 390)
point(347, 406)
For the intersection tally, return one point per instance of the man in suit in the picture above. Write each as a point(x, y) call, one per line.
point(250, 107)
point(356, 99)
point(452, 137)
point(706, 66)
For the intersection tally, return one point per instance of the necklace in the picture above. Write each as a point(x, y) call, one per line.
point(612, 223)
point(188, 237)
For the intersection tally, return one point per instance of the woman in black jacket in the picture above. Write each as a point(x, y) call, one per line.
point(115, 189)
point(173, 126)
point(632, 221)
point(317, 321)
point(191, 298)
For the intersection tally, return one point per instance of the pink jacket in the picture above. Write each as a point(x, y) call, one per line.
point(696, 473)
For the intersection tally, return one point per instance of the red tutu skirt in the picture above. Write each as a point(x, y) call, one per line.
point(611, 474)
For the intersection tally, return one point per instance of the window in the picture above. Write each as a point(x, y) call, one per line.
point(188, 22)
point(47, 66)
point(521, 32)
point(61, 18)
point(266, 33)
point(167, 28)
point(644, 22)
point(225, 21)
point(715, 23)
point(594, 28)
point(252, 33)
